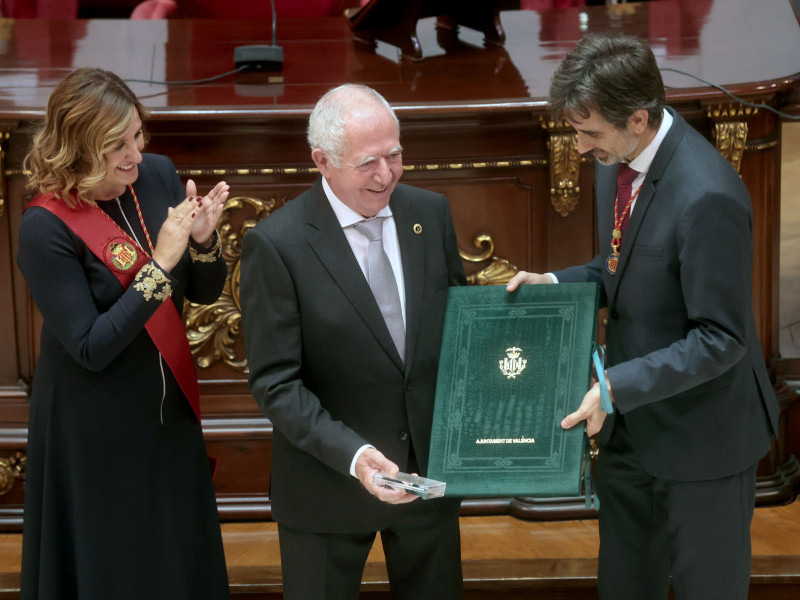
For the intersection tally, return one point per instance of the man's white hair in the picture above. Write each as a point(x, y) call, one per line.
point(327, 121)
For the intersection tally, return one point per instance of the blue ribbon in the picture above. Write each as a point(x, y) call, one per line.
point(599, 356)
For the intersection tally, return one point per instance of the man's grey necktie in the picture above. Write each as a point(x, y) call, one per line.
point(382, 282)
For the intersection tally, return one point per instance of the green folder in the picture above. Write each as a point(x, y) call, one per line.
point(512, 366)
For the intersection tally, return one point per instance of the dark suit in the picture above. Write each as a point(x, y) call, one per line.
point(693, 399)
point(323, 366)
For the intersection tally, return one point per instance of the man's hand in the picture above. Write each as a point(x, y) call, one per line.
point(370, 462)
point(525, 277)
point(589, 411)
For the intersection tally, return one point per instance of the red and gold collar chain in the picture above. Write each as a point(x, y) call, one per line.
point(141, 222)
point(616, 235)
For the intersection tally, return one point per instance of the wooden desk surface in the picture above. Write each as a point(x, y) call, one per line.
point(750, 46)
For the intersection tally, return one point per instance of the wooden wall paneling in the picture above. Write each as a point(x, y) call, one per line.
point(754, 136)
point(243, 449)
point(497, 221)
point(16, 359)
point(19, 324)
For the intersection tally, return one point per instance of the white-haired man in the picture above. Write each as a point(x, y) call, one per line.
point(347, 374)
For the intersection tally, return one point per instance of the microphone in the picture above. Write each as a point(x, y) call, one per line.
point(260, 57)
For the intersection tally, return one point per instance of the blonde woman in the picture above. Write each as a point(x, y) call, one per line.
point(119, 499)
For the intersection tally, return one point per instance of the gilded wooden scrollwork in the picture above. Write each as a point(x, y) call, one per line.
point(565, 163)
point(499, 270)
point(730, 130)
point(213, 329)
point(11, 469)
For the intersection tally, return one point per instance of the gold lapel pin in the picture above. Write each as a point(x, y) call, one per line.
point(417, 228)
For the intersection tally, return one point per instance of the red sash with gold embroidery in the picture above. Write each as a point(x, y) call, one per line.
point(125, 258)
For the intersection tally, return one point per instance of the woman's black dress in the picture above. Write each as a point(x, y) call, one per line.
point(119, 502)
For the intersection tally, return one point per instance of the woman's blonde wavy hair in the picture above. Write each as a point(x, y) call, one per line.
point(88, 114)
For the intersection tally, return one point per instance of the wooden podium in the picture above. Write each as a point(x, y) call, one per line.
point(474, 126)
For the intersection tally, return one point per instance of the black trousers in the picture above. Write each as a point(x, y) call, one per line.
point(422, 548)
point(695, 534)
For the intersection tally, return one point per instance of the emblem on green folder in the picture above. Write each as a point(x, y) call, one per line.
point(513, 365)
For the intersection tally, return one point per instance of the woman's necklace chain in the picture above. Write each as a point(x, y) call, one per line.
point(133, 233)
point(141, 221)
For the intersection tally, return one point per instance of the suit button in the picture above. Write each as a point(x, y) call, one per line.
point(403, 436)
point(408, 387)
point(614, 315)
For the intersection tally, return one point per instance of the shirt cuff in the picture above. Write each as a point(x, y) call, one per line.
point(553, 277)
point(355, 458)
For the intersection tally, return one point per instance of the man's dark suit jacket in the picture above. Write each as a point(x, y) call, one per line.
point(686, 368)
point(323, 366)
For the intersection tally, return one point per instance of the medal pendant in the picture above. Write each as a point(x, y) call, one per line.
point(120, 255)
point(611, 262)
